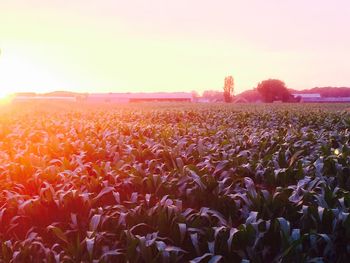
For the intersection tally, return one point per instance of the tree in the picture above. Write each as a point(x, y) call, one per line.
point(228, 88)
point(274, 89)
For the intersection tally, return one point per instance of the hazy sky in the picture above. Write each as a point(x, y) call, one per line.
point(167, 45)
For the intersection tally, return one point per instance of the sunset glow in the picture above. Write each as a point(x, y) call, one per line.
point(180, 45)
point(174, 131)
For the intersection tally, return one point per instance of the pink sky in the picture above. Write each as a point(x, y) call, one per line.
point(162, 45)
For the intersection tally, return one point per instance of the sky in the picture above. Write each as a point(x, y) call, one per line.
point(166, 45)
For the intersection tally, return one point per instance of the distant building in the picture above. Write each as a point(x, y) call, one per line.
point(203, 100)
point(335, 100)
point(21, 98)
point(139, 97)
point(317, 98)
point(106, 97)
point(307, 97)
point(240, 100)
point(109, 97)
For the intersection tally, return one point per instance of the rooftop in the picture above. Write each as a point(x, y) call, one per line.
point(307, 95)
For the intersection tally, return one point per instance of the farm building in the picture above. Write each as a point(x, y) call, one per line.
point(139, 97)
point(317, 98)
point(108, 97)
point(21, 98)
point(307, 97)
point(335, 100)
point(240, 100)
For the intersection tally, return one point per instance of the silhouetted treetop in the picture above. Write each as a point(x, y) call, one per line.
point(273, 89)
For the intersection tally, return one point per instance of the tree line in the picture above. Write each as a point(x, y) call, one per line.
point(270, 90)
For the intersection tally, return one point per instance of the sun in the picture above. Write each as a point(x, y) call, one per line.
point(5, 97)
point(25, 70)
point(4, 94)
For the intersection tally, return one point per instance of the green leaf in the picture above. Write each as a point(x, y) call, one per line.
point(285, 225)
point(58, 233)
point(94, 222)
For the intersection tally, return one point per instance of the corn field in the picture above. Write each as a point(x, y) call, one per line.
point(175, 183)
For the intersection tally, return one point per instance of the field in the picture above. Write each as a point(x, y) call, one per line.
point(174, 183)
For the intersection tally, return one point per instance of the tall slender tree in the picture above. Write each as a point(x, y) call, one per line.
point(228, 88)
